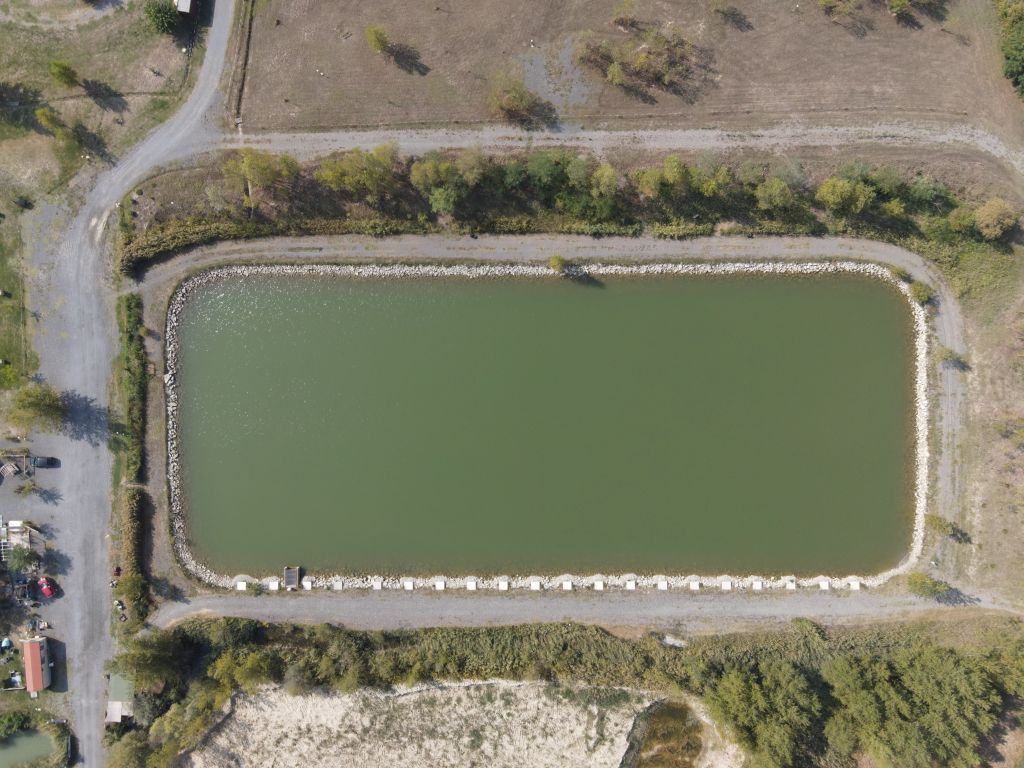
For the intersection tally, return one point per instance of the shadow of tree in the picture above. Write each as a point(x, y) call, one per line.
point(91, 142)
point(407, 59)
point(955, 597)
point(18, 104)
point(580, 276)
point(84, 418)
point(735, 18)
point(50, 496)
point(105, 96)
point(166, 589)
point(56, 562)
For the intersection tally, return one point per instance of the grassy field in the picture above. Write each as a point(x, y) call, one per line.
point(752, 62)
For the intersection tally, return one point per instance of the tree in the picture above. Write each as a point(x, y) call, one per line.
point(961, 220)
point(604, 182)
point(843, 196)
point(162, 16)
point(443, 201)
point(774, 195)
point(368, 175)
point(63, 73)
point(37, 406)
point(149, 660)
point(431, 171)
point(472, 165)
point(995, 218)
point(21, 558)
point(377, 39)
point(557, 264)
point(130, 751)
point(771, 711)
point(898, 7)
point(260, 170)
point(926, 706)
point(923, 585)
point(49, 119)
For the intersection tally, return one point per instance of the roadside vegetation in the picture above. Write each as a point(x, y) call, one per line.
point(131, 500)
point(379, 192)
point(911, 695)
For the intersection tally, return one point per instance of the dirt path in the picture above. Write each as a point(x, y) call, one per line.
point(505, 138)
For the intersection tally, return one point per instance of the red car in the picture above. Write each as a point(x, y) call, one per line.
point(46, 587)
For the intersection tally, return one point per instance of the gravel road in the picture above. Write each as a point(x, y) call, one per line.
point(71, 290)
point(671, 611)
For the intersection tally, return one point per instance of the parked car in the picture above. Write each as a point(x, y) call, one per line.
point(43, 462)
point(47, 587)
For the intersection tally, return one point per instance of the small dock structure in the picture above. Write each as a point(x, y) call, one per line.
point(291, 577)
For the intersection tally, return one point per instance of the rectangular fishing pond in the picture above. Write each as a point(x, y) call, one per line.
point(669, 424)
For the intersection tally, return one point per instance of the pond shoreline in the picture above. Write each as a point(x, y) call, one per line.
point(506, 270)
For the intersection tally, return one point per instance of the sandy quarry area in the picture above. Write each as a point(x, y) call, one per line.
point(494, 724)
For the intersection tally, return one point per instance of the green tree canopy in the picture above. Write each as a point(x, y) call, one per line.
point(774, 195)
point(260, 170)
point(150, 660)
point(994, 218)
point(162, 16)
point(771, 710)
point(63, 73)
point(926, 706)
point(21, 558)
point(843, 196)
point(367, 175)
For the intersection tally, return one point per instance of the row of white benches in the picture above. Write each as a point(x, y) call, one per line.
point(536, 585)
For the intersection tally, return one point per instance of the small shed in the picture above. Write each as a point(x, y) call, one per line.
point(183, 6)
point(120, 700)
point(36, 652)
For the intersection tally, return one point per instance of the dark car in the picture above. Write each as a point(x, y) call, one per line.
point(44, 462)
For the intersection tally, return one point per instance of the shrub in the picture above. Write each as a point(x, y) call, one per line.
point(921, 292)
point(511, 100)
point(939, 525)
point(162, 16)
point(178, 234)
point(21, 558)
point(995, 218)
point(37, 406)
point(923, 585)
point(12, 722)
point(556, 263)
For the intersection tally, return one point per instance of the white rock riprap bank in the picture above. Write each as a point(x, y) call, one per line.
point(548, 582)
point(495, 724)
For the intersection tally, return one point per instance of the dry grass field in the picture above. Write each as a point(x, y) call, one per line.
point(764, 62)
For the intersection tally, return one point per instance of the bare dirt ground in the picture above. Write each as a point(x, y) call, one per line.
point(496, 724)
point(767, 63)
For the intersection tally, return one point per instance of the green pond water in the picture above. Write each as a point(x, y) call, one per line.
point(655, 424)
point(24, 747)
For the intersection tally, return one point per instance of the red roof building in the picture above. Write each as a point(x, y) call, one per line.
point(36, 654)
